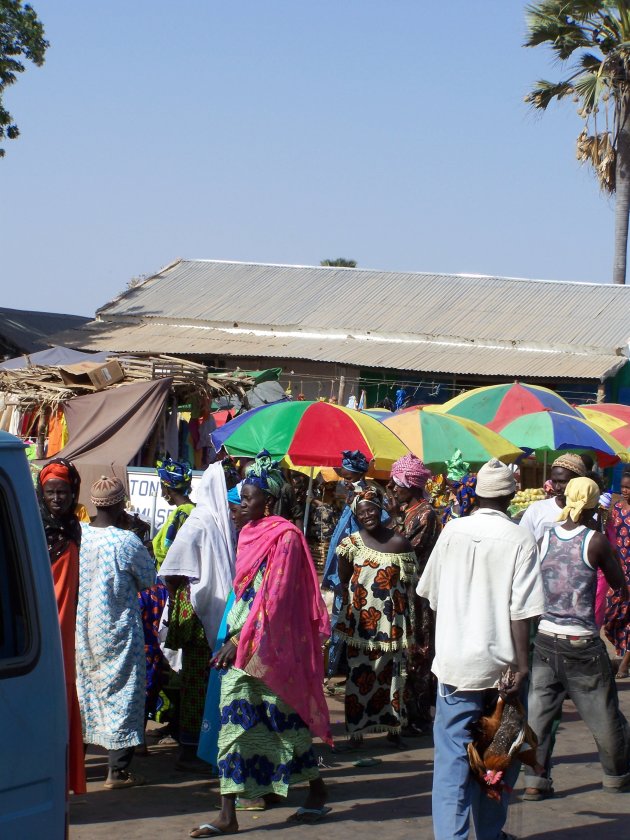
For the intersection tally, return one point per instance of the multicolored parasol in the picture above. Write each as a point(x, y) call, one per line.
point(613, 418)
point(497, 405)
point(434, 437)
point(550, 431)
point(310, 434)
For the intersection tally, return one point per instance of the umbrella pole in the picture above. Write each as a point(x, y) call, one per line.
point(545, 467)
point(309, 496)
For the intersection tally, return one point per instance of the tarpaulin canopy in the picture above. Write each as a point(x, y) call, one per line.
point(53, 356)
point(106, 429)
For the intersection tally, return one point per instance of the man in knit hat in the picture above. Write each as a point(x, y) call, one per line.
point(540, 516)
point(483, 582)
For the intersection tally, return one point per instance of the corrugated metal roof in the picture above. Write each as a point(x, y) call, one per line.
point(410, 354)
point(25, 331)
point(533, 312)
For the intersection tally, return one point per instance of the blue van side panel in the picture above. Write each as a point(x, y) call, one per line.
point(33, 704)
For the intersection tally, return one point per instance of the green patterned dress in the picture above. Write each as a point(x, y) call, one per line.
point(264, 745)
point(375, 623)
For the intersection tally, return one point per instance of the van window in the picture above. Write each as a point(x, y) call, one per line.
point(19, 630)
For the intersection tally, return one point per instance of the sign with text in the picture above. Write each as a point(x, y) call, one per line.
point(145, 495)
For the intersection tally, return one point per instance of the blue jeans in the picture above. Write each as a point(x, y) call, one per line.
point(455, 791)
point(582, 671)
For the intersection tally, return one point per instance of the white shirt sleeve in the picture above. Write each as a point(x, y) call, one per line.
point(527, 599)
point(429, 583)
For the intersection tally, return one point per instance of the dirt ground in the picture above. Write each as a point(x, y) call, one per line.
point(391, 799)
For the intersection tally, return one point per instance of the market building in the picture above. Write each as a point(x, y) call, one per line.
point(336, 331)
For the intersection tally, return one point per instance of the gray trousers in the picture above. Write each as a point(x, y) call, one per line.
point(119, 760)
point(562, 668)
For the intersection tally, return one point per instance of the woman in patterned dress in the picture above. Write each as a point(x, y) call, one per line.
point(111, 669)
point(617, 624)
point(418, 522)
point(272, 698)
point(375, 566)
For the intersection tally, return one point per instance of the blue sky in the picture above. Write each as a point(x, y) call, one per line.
point(388, 132)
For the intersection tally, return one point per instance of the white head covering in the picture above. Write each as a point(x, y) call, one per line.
point(203, 551)
point(495, 480)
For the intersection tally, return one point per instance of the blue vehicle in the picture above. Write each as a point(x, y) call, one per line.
point(33, 801)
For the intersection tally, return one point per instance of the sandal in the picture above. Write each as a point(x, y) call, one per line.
point(125, 780)
point(309, 815)
point(210, 830)
point(537, 794)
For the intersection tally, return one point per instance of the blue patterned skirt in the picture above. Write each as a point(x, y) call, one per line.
point(264, 745)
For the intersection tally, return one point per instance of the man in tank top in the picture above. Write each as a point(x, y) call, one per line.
point(570, 659)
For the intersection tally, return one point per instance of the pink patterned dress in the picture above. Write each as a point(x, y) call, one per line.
point(617, 626)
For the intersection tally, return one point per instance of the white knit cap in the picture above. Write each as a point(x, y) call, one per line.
point(495, 480)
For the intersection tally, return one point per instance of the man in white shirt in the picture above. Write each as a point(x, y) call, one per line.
point(483, 581)
point(540, 516)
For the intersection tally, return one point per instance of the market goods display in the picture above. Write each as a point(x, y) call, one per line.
point(523, 499)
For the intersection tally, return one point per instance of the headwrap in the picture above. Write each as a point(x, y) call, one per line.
point(107, 491)
point(175, 474)
point(466, 495)
point(605, 500)
point(232, 475)
point(57, 469)
point(495, 480)
point(581, 494)
point(409, 471)
point(354, 461)
point(234, 495)
point(456, 468)
point(372, 495)
point(60, 530)
point(265, 474)
point(572, 463)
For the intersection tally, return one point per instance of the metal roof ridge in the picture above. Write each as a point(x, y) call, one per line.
point(417, 273)
point(346, 334)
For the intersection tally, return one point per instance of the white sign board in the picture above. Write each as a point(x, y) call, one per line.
point(145, 495)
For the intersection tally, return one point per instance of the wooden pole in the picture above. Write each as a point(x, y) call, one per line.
point(309, 496)
point(342, 388)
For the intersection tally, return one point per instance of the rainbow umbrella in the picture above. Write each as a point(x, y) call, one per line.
point(309, 434)
point(614, 418)
point(434, 437)
point(550, 431)
point(497, 405)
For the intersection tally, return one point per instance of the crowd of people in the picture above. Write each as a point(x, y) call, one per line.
point(221, 628)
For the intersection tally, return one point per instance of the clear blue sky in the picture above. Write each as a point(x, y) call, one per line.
point(394, 133)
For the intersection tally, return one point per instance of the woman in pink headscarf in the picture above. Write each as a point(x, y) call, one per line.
point(417, 521)
point(272, 697)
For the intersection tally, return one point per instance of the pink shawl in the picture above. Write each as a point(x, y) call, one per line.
point(281, 640)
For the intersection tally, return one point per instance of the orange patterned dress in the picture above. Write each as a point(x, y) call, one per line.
point(375, 623)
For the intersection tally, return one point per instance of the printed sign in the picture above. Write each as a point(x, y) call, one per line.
point(145, 496)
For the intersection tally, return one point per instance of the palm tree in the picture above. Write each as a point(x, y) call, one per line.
point(340, 262)
point(596, 34)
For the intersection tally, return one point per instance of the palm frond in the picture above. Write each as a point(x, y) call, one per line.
point(590, 62)
point(590, 87)
point(548, 23)
point(545, 92)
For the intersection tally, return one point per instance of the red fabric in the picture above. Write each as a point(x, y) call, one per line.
point(281, 640)
point(65, 572)
point(58, 471)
